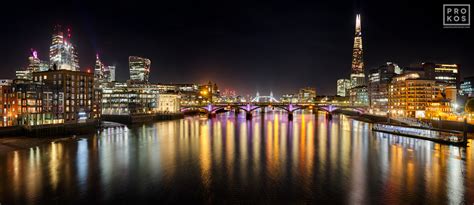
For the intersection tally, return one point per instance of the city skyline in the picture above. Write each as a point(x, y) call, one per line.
point(186, 102)
point(244, 59)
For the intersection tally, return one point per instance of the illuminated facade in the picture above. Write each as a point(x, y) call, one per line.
point(307, 95)
point(102, 73)
point(359, 96)
point(357, 71)
point(99, 71)
point(208, 93)
point(168, 103)
point(139, 69)
point(62, 52)
point(447, 73)
point(8, 103)
point(410, 95)
point(110, 73)
point(34, 65)
point(378, 83)
point(25, 102)
point(467, 87)
point(132, 98)
point(74, 97)
point(343, 86)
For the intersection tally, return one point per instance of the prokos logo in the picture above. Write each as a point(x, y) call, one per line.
point(456, 15)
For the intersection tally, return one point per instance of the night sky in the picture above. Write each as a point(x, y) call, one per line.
point(242, 45)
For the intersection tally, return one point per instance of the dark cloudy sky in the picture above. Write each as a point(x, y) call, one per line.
point(243, 45)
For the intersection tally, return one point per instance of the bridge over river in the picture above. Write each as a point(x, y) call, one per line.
point(249, 108)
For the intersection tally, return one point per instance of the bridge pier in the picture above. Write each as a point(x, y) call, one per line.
point(236, 112)
point(328, 116)
point(248, 115)
point(211, 115)
point(290, 116)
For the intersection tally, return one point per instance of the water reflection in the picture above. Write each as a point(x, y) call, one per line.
point(231, 159)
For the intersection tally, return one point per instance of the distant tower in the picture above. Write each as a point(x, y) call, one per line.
point(98, 70)
point(62, 52)
point(357, 71)
point(139, 69)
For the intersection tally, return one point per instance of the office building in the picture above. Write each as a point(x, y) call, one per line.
point(378, 83)
point(410, 95)
point(343, 86)
point(139, 69)
point(467, 87)
point(307, 95)
point(73, 93)
point(62, 52)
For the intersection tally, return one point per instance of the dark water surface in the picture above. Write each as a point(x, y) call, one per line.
point(233, 160)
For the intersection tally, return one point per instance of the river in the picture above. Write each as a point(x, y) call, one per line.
point(226, 159)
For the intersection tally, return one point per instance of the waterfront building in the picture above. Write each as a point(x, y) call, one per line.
point(28, 103)
point(343, 86)
point(306, 95)
point(73, 93)
point(62, 52)
point(409, 95)
point(467, 87)
point(168, 103)
point(8, 103)
point(440, 109)
point(378, 82)
point(359, 96)
point(139, 69)
point(333, 100)
point(131, 98)
point(119, 100)
point(357, 70)
point(289, 98)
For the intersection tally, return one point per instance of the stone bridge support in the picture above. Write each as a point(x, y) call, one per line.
point(290, 116)
point(248, 115)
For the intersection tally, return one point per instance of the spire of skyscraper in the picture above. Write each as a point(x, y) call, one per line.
point(357, 52)
point(357, 69)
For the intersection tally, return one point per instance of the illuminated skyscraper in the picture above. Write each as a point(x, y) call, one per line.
point(343, 86)
point(98, 70)
point(357, 71)
point(110, 77)
point(62, 53)
point(103, 73)
point(139, 69)
point(34, 65)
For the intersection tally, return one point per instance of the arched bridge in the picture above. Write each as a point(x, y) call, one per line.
point(249, 108)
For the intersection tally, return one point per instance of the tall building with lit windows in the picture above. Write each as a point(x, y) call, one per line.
point(357, 69)
point(139, 69)
point(62, 52)
point(410, 95)
point(98, 70)
point(102, 73)
point(343, 86)
point(74, 98)
point(34, 65)
point(447, 73)
point(378, 85)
